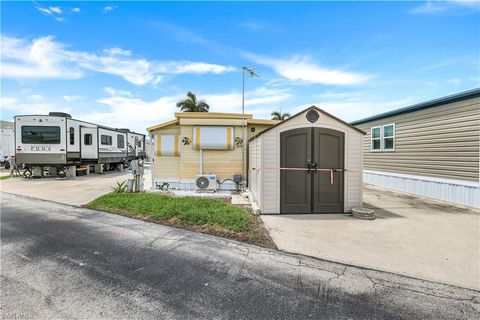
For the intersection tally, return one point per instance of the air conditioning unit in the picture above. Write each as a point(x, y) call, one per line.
point(206, 182)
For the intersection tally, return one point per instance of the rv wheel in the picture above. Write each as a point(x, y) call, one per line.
point(7, 165)
point(107, 167)
point(27, 173)
point(61, 173)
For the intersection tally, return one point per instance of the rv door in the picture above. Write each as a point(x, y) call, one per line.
point(89, 143)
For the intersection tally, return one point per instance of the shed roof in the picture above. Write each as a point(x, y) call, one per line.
point(306, 110)
point(465, 95)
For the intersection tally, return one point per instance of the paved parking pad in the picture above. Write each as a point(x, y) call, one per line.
point(411, 236)
point(74, 191)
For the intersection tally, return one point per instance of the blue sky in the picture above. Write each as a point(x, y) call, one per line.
point(125, 64)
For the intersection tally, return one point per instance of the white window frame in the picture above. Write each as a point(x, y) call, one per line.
point(383, 137)
point(379, 138)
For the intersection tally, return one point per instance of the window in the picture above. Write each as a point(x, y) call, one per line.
point(106, 140)
point(376, 139)
point(120, 141)
point(389, 137)
point(167, 145)
point(72, 135)
point(87, 139)
point(40, 134)
point(383, 138)
point(139, 143)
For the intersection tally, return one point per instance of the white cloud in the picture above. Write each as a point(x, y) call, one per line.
point(302, 69)
point(133, 113)
point(109, 9)
point(45, 58)
point(56, 10)
point(136, 71)
point(356, 107)
point(117, 51)
point(115, 92)
point(68, 98)
point(7, 102)
point(39, 58)
point(260, 101)
point(30, 105)
point(434, 7)
point(126, 110)
point(201, 68)
point(44, 11)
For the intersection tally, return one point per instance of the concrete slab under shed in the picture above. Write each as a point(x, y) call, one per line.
point(411, 236)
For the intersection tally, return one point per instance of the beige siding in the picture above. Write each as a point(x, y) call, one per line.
point(270, 195)
point(167, 167)
point(258, 129)
point(439, 142)
point(223, 163)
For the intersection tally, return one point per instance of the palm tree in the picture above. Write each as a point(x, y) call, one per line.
point(190, 104)
point(279, 115)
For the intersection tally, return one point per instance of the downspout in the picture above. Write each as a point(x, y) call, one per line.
point(152, 161)
point(201, 161)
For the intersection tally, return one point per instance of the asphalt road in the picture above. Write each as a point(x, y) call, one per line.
point(59, 261)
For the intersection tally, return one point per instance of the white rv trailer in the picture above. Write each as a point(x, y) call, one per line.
point(57, 140)
point(7, 134)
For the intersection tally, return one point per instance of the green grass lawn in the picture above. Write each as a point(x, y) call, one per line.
point(189, 211)
point(4, 177)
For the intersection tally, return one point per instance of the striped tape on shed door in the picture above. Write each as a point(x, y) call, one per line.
point(213, 138)
point(167, 145)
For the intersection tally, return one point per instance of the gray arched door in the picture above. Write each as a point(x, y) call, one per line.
point(311, 191)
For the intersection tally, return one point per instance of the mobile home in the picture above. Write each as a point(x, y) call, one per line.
point(57, 140)
point(429, 149)
point(203, 150)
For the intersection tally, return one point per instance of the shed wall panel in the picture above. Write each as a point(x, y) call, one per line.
point(271, 158)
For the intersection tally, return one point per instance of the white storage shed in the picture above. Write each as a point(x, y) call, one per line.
point(309, 163)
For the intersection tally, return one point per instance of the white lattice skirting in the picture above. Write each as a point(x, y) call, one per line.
point(455, 191)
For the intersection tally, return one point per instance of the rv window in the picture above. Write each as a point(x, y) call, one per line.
point(106, 140)
point(72, 135)
point(120, 141)
point(139, 143)
point(87, 139)
point(40, 134)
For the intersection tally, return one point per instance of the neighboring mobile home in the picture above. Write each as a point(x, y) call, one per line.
point(309, 163)
point(430, 149)
point(209, 144)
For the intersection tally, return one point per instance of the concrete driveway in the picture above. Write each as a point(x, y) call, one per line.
point(411, 236)
point(64, 262)
point(74, 191)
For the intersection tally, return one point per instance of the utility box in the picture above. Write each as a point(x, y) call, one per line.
point(137, 167)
